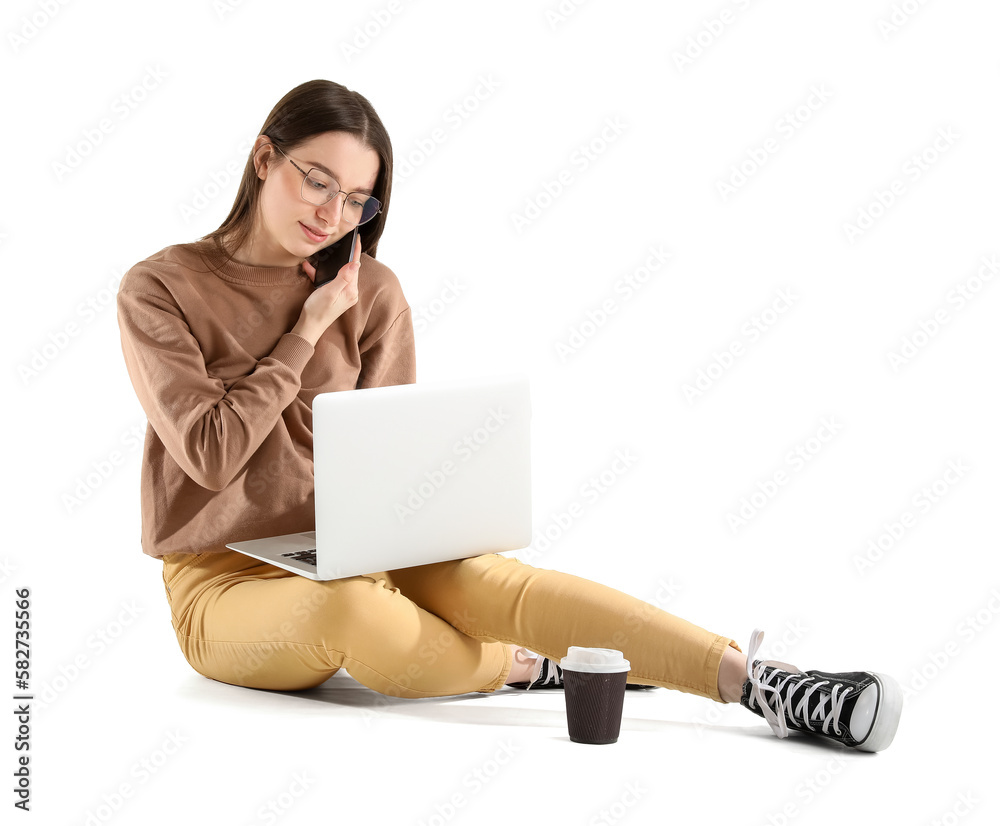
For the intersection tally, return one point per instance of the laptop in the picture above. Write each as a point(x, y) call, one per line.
point(412, 474)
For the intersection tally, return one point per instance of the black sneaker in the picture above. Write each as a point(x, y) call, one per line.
point(859, 709)
point(546, 674)
point(549, 674)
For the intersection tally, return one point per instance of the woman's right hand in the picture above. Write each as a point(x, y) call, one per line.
point(329, 302)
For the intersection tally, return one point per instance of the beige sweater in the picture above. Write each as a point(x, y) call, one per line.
point(228, 391)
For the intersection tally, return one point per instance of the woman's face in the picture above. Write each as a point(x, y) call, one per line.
point(285, 232)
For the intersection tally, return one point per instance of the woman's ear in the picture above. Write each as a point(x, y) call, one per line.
point(263, 151)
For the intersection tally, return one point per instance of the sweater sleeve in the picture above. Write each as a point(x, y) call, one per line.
point(392, 359)
point(209, 432)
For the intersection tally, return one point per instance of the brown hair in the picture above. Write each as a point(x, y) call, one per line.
point(309, 109)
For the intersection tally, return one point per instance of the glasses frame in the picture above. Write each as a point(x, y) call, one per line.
point(339, 191)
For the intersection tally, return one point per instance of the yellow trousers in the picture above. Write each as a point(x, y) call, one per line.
point(425, 631)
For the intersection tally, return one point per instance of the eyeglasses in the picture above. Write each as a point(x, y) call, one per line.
point(318, 188)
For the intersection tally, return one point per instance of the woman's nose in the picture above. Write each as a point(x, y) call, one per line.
point(331, 212)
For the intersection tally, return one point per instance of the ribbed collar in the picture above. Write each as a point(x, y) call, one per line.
point(262, 276)
point(259, 276)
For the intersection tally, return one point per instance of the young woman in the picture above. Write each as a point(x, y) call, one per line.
point(227, 341)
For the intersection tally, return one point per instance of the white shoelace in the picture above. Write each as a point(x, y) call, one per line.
point(551, 677)
point(796, 679)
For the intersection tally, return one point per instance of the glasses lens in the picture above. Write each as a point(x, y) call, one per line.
point(359, 208)
point(317, 188)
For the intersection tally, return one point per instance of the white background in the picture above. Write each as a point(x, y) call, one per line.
point(849, 102)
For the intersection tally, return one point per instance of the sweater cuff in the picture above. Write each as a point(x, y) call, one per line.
point(294, 351)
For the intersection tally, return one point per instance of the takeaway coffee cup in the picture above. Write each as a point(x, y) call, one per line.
point(594, 683)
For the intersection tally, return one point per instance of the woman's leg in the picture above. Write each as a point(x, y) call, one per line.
point(248, 623)
point(492, 597)
point(732, 675)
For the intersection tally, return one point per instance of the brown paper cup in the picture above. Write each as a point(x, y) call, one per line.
point(594, 705)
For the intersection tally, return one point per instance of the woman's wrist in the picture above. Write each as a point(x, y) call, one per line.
point(303, 329)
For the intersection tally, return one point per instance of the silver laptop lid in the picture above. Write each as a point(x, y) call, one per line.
point(418, 473)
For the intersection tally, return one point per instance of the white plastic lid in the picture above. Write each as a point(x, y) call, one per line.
point(594, 660)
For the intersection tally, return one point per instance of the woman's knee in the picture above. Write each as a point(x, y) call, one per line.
point(274, 665)
point(345, 601)
point(290, 638)
point(319, 607)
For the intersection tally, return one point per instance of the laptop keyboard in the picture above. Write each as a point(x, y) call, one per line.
point(302, 556)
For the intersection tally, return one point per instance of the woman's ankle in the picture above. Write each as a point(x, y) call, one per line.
point(732, 675)
point(522, 665)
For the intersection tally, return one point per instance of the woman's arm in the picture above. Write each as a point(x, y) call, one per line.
point(209, 432)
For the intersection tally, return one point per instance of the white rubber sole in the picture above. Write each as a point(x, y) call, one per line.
point(887, 718)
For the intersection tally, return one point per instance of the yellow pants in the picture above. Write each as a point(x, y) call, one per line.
point(425, 631)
